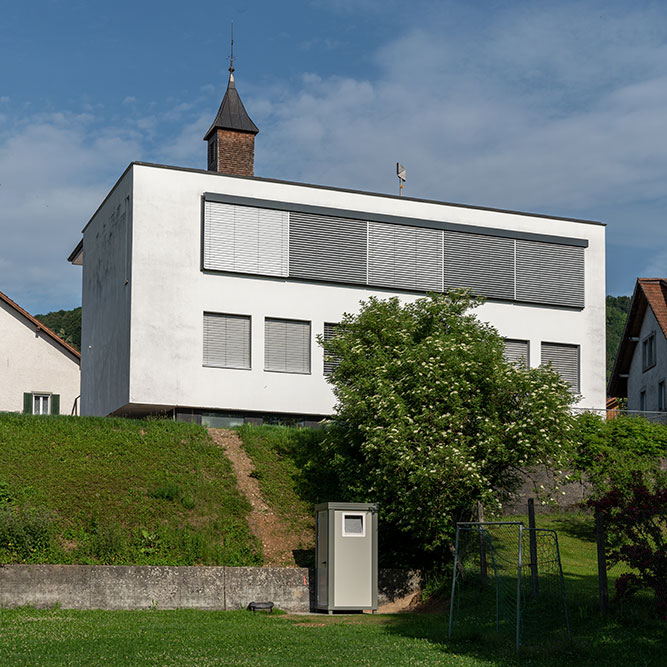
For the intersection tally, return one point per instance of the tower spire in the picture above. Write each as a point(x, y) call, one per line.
point(231, 54)
point(231, 137)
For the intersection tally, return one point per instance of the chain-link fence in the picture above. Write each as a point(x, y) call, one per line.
point(509, 578)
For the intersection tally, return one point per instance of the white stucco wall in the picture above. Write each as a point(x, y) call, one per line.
point(640, 380)
point(169, 294)
point(105, 322)
point(32, 362)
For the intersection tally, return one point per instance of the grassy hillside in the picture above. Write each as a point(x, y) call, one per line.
point(93, 490)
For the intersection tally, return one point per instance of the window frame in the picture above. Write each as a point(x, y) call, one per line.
point(41, 397)
point(648, 352)
point(310, 345)
point(662, 396)
point(344, 532)
point(230, 315)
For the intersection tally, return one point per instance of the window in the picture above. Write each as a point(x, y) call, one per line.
point(354, 525)
point(287, 346)
point(330, 363)
point(245, 239)
point(405, 257)
point(41, 403)
point(661, 396)
point(565, 359)
point(211, 153)
point(648, 352)
point(516, 351)
point(226, 341)
point(642, 401)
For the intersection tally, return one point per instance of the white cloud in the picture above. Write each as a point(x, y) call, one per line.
point(553, 108)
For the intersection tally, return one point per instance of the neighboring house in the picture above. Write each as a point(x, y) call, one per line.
point(39, 371)
point(203, 291)
point(640, 368)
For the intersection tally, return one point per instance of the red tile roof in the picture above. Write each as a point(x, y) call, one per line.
point(655, 290)
point(39, 326)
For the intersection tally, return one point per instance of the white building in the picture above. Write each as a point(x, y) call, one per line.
point(203, 291)
point(39, 371)
point(640, 368)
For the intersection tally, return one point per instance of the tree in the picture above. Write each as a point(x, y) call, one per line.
point(636, 520)
point(430, 417)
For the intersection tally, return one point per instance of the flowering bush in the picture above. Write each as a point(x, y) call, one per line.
point(430, 417)
point(636, 518)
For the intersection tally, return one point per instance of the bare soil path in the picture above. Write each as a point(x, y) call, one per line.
point(277, 540)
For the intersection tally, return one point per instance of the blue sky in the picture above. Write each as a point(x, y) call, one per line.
point(555, 108)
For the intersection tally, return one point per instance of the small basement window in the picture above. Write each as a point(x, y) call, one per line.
point(354, 525)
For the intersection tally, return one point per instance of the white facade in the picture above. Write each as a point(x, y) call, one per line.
point(39, 373)
point(646, 375)
point(145, 292)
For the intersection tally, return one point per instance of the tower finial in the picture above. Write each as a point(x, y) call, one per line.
point(231, 53)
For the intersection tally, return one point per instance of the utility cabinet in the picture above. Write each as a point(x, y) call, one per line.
point(346, 556)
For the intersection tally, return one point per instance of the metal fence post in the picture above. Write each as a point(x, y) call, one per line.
point(601, 540)
point(451, 600)
point(482, 546)
point(533, 547)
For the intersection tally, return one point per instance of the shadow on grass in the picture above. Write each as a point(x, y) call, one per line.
point(629, 634)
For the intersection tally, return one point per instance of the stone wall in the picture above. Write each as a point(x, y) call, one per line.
point(169, 587)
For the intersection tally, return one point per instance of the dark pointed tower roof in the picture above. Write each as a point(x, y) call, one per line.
point(232, 114)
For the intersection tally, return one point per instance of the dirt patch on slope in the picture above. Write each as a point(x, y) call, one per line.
point(277, 541)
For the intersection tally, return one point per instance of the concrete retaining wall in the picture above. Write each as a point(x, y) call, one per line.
point(167, 587)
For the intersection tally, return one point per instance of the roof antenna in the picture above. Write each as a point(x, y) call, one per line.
point(400, 172)
point(231, 54)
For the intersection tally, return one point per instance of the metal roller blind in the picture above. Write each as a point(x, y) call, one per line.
point(226, 340)
point(549, 273)
point(565, 359)
point(287, 346)
point(330, 363)
point(246, 239)
point(516, 351)
point(480, 263)
point(405, 257)
point(323, 247)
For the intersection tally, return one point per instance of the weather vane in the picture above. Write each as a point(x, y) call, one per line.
point(400, 172)
point(231, 53)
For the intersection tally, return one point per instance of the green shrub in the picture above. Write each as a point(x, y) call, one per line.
point(610, 453)
point(25, 534)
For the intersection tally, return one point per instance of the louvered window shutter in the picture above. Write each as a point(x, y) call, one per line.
point(27, 404)
point(565, 359)
point(55, 404)
point(323, 247)
point(330, 363)
point(481, 263)
point(246, 239)
point(516, 351)
point(226, 340)
point(549, 273)
point(287, 346)
point(405, 257)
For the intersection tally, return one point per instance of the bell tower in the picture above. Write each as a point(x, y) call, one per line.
point(231, 138)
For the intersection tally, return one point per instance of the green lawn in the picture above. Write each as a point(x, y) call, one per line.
point(53, 637)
